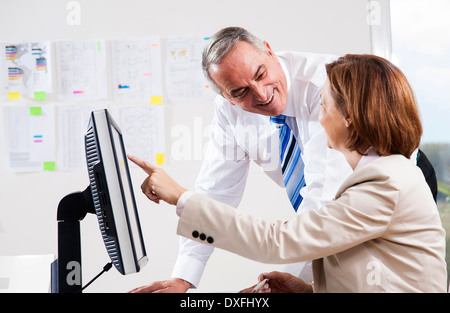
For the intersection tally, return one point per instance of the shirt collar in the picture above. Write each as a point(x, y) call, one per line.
point(290, 109)
point(369, 156)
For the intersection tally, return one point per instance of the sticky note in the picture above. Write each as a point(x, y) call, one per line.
point(49, 166)
point(40, 95)
point(159, 158)
point(35, 111)
point(156, 100)
point(13, 95)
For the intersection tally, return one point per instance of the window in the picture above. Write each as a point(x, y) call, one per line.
point(415, 35)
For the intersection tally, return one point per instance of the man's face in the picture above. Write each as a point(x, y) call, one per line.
point(252, 80)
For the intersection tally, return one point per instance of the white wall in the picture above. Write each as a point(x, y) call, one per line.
point(28, 202)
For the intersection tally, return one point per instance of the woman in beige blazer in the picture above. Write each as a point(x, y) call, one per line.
point(382, 233)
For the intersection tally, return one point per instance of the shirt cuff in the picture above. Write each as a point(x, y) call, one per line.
point(182, 201)
point(191, 261)
point(189, 269)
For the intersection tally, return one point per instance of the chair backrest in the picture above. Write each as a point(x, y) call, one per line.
point(25, 273)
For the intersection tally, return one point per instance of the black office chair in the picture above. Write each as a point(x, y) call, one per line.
point(428, 171)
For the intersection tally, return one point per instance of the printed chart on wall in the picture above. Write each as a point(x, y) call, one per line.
point(185, 81)
point(136, 70)
point(72, 122)
point(142, 128)
point(81, 70)
point(30, 137)
point(26, 70)
point(143, 132)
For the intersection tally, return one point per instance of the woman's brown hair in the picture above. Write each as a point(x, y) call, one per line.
point(376, 96)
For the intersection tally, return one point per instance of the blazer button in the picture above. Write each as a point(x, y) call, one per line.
point(202, 236)
point(195, 234)
point(210, 239)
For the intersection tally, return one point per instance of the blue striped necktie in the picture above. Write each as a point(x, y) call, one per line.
point(291, 161)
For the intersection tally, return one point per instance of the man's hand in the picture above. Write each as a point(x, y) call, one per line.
point(174, 285)
point(281, 283)
point(158, 185)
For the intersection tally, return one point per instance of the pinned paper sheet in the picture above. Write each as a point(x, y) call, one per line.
point(26, 68)
point(185, 81)
point(81, 68)
point(136, 69)
point(72, 120)
point(143, 131)
point(30, 135)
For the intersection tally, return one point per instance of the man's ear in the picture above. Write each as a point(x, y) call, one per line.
point(221, 93)
point(230, 102)
point(269, 49)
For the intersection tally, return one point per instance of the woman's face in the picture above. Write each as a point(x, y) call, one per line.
point(333, 121)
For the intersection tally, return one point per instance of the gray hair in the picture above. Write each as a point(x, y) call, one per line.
point(221, 44)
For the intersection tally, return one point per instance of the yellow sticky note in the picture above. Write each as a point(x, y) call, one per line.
point(35, 111)
point(49, 166)
point(159, 158)
point(156, 100)
point(13, 95)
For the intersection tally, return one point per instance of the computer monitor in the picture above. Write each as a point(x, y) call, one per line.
point(111, 198)
point(112, 192)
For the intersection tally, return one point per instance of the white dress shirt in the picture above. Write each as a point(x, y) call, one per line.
point(237, 137)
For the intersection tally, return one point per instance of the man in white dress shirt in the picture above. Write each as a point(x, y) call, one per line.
point(253, 83)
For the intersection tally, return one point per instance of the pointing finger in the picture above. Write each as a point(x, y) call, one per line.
point(147, 167)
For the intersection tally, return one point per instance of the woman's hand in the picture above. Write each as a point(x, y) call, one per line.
point(280, 282)
point(158, 185)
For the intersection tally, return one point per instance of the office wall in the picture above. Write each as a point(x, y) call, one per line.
point(28, 201)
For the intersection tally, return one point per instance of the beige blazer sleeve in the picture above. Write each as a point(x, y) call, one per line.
point(362, 211)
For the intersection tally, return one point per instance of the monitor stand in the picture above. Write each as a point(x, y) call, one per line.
point(66, 269)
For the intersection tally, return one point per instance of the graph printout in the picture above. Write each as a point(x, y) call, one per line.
point(30, 137)
point(81, 70)
point(26, 70)
point(185, 81)
point(136, 70)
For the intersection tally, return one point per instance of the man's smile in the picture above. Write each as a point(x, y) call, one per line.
point(268, 101)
